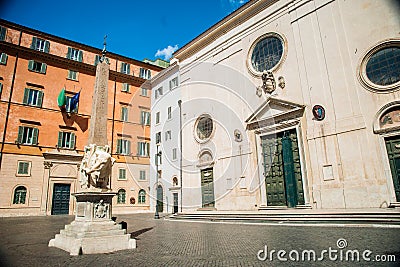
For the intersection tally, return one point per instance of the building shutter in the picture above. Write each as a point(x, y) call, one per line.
point(46, 46)
point(148, 149)
point(72, 141)
point(128, 67)
point(35, 136)
point(34, 41)
point(69, 52)
point(80, 56)
point(1, 87)
point(40, 99)
point(2, 33)
point(148, 118)
point(128, 143)
point(96, 60)
point(20, 167)
point(121, 67)
point(20, 134)
point(43, 68)
point(26, 95)
point(30, 64)
point(119, 144)
point(60, 137)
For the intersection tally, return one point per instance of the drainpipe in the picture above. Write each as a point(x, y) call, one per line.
point(9, 102)
point(180, 146)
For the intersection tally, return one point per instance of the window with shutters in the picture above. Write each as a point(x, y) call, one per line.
point(72, 75)
point(142, 196)
point(66, 140)
point(124, 113)
point(68, 105)
point(40, 45)
point(158, 137)
point(145, 118)
point(74, 54)
point(123, 147)
point(125, 87)
point(157, 117)
point(3, 33)
point(37, 66)
point(121, 174)
point(19, 195)
point(27, 135)
point(125, 68)
point(33, 97)
point(3, 58)
point(142, 175)
point(23, 168)
point(143, 149)
point(173, 83)
point(169, 113)
point(145, 73)
point(121, 196)
point(144, 92)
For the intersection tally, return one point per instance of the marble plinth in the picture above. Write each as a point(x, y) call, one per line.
point(93, 231)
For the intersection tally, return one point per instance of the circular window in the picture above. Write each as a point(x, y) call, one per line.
point(267, 52)
point(204, 127)
point(380, 67)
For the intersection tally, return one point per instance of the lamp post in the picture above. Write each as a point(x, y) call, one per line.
point(158, 154)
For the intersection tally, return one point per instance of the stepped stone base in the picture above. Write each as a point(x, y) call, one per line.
point(93, 231)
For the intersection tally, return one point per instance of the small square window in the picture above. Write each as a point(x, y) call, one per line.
point(66, 140)
point(37, 66)
point(142, 175)
point(125, 68)
point(122, 174)
point(144, 92)
point(72, 75)
point(74, 54)
point(145, 73)
point(173, 83)
point(24, 168)
point(125, 87)
point(3, 58)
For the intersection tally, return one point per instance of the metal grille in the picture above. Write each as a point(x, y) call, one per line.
point(204, 128)
point(267, 53)
point(383, 68)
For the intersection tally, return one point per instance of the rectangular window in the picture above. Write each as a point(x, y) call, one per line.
point(3, 59)
point(124, 114)
point(33, 97)
point(125, 68)
point(144, 118)
point(74, 54)
point(66, 140)
point(1, 87)
point(167, 135)
point(173, 83)
point(68, 105)
point(142, 175)
point(40, 45)
point(27, 135)
point(157, 117)
point(122, 174)
point(23, 167)
point(158, 137)
point(72, 75)
point(123, 147)
point(145, 73)
point(169, 112)
point(144, 92)
point(3, 33)
point(37, 66)
point(143, 149)
point(174, 154)
point(159, 92)
point(125, 87)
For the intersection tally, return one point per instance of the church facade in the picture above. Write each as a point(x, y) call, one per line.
point(283, 104)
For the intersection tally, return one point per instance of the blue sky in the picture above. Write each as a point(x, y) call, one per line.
point(136, 29)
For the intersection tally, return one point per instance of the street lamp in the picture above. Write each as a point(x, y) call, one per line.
point(158, 154)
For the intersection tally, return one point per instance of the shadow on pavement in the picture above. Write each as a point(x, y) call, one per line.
point(141, 231)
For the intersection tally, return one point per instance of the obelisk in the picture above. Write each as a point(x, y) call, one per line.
point(93, 231)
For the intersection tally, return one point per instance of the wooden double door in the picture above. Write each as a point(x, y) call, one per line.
point(282, 169)
point(61, 196)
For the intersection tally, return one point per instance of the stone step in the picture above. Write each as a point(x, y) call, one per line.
point(92, 226)
point(84, 234)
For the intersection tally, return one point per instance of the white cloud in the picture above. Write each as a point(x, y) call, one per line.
point(232, 4)
point(167, 52)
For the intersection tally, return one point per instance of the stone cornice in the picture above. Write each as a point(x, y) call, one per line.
point(228, 23)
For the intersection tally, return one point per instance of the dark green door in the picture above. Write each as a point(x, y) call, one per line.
point(282, 169)
point(61, 195)
point(393, 150)
point(160, 197)
point(207, 188)
point(175, 202)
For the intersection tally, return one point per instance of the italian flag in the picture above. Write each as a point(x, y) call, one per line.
point(61, 100)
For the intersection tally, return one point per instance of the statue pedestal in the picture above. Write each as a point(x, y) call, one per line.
point(93, 231)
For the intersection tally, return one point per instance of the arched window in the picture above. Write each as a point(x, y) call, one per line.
point(19, 195)
point(121, 196)
point(142, 196)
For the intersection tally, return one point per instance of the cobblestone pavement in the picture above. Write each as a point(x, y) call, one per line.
point(23, 242)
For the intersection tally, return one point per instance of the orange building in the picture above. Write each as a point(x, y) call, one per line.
point(42, 146)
